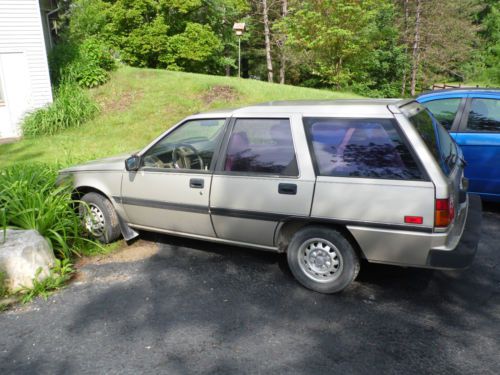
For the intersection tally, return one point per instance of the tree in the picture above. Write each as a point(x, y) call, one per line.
point(406, 28)
point(343, 43)
point(441, 36)
point(416, 47)
point(267, 39)
point(284, 13)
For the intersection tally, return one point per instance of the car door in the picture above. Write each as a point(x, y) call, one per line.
point(170, 191)
point(261, 178)
point(479, 138)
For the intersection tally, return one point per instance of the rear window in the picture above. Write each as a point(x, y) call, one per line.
point(370, 148)
point(437, 140)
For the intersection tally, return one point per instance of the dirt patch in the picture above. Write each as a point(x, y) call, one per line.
point(9, 140)
point(139, 250)
point(219, 94)
point(120, 102)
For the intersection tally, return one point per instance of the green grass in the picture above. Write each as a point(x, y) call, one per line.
point(138, 105)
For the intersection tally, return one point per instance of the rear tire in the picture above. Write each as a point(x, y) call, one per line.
point(99, 218)
point(322, 259)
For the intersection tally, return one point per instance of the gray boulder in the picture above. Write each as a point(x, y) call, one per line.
point(21, 254)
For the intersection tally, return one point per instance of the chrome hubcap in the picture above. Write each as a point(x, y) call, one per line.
point(320, 260)
point(94, 220)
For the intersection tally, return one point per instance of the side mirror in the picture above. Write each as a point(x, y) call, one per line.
point(133, 163)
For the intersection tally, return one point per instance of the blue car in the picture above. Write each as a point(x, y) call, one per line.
point(472, 116)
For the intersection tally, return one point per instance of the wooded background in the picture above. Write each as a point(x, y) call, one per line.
point(386, 48)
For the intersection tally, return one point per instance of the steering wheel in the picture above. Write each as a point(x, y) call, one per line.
point(153, 161)
point(189, 156)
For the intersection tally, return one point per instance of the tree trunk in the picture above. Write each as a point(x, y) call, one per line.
point(406, 23)
point(267, 36)
point(416, 48)
point(284, 13)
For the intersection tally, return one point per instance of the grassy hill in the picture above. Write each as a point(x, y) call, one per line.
point(139, 104)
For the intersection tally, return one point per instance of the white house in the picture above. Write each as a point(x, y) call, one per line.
point(24, 73)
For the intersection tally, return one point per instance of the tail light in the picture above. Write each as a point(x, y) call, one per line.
point(445, 212)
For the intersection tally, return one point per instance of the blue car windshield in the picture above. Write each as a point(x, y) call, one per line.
point(437, 140)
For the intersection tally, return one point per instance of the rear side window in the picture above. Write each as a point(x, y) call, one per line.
point(262, 146)
point(444, 110)
point(437, 140)
point(484, 115)
point(370, 148)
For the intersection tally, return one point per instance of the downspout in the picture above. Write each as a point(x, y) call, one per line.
point(47, 15)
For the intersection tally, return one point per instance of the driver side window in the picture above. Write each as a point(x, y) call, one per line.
point(190, 146)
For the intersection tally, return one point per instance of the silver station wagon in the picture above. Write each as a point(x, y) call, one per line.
point(327, 182)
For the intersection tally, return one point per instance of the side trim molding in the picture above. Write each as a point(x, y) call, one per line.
point(263, 216)
point(162, 205)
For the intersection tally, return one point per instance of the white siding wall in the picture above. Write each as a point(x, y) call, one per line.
point(21, 34)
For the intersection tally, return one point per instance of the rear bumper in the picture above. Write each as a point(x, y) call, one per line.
point(463, 254)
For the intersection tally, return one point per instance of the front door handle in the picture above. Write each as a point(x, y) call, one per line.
point(197, 183)
point(290, 189)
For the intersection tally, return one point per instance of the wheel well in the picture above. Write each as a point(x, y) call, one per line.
point(80, 191)
point(289, 228)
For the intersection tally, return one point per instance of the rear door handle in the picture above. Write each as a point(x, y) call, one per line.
point(197, 183)
point(290, 189)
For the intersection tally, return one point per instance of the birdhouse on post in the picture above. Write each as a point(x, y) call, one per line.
point(239, 29)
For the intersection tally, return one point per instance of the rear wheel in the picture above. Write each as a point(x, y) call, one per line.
point(322, 259)
point(99, 217)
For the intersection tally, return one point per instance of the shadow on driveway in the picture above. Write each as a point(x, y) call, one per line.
point(198, 307)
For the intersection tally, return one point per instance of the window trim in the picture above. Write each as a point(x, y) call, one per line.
point(399, 131)
point(215, 156)
point(221, 161)
point(464, 123)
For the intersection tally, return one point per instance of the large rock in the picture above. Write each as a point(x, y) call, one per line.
point(21, 255)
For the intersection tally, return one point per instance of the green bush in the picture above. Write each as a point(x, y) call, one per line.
point(90, 75)
point(97, 52)
point(86, 63)
point(30, 200)
point(71, 108)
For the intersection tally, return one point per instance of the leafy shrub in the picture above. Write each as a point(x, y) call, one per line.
point(86, 63)
point(71, 108)
point(97, 52)
point(88, 75)
point(61, 57)
point(30, 200)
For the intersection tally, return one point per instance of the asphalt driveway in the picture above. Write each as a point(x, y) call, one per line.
point(192, 307)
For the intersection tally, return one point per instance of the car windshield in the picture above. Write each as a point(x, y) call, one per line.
point(436, 138)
